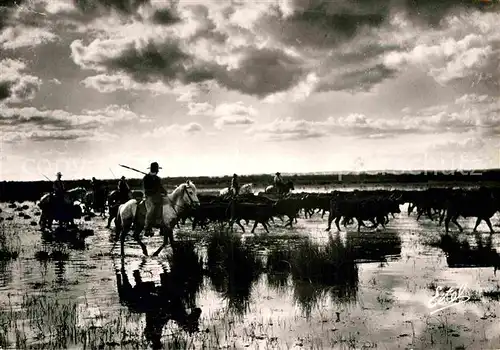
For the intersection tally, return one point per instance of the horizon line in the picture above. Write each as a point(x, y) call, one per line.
point(313, 173)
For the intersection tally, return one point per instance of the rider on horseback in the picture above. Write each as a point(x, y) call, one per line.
point(278, 182)
point(154, 191)
point(123, 190)
point(235, 186)
point(59, 193)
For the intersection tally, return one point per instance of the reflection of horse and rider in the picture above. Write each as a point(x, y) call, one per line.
point(160, 304)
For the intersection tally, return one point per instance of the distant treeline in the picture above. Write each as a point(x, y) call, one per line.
point(31, 191)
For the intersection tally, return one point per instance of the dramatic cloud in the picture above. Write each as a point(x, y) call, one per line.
point(467, 46)
point(16, 86)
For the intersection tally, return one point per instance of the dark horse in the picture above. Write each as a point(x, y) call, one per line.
point(96, 201)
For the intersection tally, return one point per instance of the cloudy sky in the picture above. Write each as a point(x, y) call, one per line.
point(212, 87)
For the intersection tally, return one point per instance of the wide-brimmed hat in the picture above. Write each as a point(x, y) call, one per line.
point(278, 173)
point(235, 175)
point(154, 165)
point(58, 173)
point(123, 177)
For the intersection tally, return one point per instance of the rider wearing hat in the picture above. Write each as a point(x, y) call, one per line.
point(235, 186)
point(59, 192)
point(58, 186)
point(278, 182)
point(153, 191)
point(123, 190)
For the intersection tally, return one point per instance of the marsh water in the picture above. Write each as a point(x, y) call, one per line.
point(58, 295)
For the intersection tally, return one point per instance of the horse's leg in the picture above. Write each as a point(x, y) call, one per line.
point(137, 237)
point(454, 220)
point(265, 226)
point(330, 219)
point(488, 222)
point(337, 221)
point(254, 225)
point(168, 234)
point(240, 225)
point(478, 222)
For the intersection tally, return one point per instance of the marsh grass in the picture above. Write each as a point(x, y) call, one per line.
point(317, 271)
point(8, 250)
point(232, 268)
point(47, 321)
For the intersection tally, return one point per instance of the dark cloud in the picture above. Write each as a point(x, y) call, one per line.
point(165, 16)
point(360, 79)
point(152, 61)
point(124, 6)
point(5, 90)
point(263, 72)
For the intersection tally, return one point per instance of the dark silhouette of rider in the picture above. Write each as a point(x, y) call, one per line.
point(235, 186)
point(123, 190)
point(59, 193)
point(154, 192)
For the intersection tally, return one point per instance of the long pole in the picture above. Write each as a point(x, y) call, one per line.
point(112, 173)
point(127, 167)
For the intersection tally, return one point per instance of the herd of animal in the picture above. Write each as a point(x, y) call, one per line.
point(375, 206)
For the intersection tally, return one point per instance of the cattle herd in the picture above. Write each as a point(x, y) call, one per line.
point(374, 206)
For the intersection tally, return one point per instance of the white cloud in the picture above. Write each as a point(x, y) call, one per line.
point(32, 124)
point(110, 83)
point(465, 47)
point(233, 121)
point(200, 108)
point(23, 36)
point(15, 85)
point(186, 129)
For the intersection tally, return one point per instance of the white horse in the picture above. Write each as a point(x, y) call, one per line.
point(133, 214)
point(244, 189)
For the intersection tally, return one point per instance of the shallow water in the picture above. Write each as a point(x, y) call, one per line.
point(388, 308)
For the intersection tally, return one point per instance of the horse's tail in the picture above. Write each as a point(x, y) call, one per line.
point(118, 222)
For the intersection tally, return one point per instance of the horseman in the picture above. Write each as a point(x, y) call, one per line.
point(59, 193)
point(235, 186)
point(123, 190)
point(278, 182)
point(154, 192)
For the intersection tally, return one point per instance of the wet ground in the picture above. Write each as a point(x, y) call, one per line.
point(63, 295)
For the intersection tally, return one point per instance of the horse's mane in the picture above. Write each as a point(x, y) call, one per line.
point(189, 183)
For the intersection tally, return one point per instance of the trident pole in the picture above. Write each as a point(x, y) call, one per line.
point(130, 168)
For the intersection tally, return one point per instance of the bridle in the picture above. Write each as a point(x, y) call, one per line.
point(184, 191)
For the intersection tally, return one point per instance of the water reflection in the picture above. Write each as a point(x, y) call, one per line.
point(373, 246)
point(461, 254)
point(232, 269)
point(74, 238)
point(171, 299)
point(317, 272)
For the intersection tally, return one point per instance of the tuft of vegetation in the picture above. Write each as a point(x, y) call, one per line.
point(7, 251)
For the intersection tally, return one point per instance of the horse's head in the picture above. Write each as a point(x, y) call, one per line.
point(290, 186)
point(189, 196)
